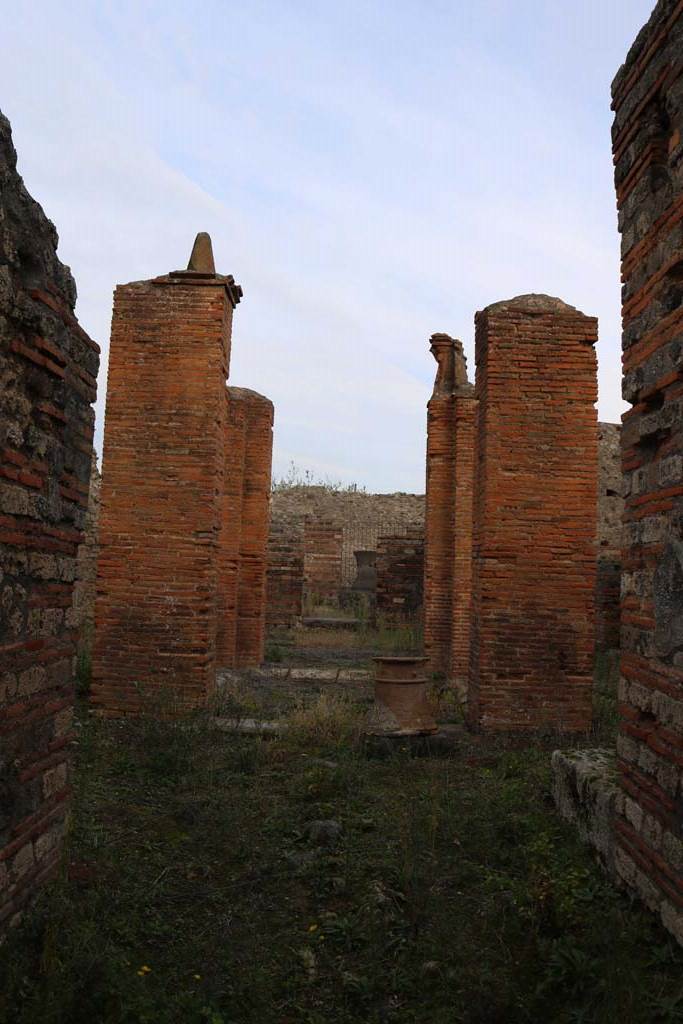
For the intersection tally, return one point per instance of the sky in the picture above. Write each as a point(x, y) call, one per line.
point(370, 172)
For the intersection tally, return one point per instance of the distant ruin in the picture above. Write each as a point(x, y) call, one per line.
point(184, 501)
point(314, 532)
point(48, 380)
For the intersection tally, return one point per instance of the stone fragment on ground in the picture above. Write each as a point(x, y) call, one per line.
point(324, 832)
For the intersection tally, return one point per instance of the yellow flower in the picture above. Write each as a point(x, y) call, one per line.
point(144, 970)
point(312, 927)
point(197, 977)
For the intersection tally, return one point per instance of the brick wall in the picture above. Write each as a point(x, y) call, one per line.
point(535, 517)
point(48, 370)
point(608, 603)
point(285, 574)
point(451, 426)
point(400, 574)
point(648, 154)
point(86, 565)
point(362, 517)
point(322, 559)
point(610, 513)
point(162, 492)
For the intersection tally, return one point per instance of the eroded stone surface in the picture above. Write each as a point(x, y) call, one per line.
point(647, 137)
point(586, 792)
point(48, 371)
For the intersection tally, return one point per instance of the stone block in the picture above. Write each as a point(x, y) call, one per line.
point(585, 787)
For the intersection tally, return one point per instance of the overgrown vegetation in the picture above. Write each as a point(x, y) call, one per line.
point(372, 636)
point(295, 477)
point(224, 879)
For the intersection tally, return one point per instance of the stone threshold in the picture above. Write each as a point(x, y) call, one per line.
point(333, 675)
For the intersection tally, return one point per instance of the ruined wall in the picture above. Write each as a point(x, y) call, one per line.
point(362, 517)
point(535, 517)
point(451, 429)
point(86, 564)
point(648, 153)
point(610, 512)
point(610, 489)
point(162, 486)
point(285, 574)
point(48, 371)
point(400, 575)
point(322, 559)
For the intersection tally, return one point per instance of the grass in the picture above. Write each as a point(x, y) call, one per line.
point(306, 644)
point(453, 893)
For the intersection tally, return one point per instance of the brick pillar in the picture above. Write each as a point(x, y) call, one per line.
point(164, 455)
point(48, 371)
point(535, 517)
point(440, 508)
point(231, 529)
point(251, 596)
point(466, 412)
point(648, 155)
point(451, 427)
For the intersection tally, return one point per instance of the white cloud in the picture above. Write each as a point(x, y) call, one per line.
point(367, 183)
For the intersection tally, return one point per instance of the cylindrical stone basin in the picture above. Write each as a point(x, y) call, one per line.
point(401, 707)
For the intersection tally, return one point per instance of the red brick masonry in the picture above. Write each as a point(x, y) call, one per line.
point(186, 477)
point(534, 517)
point(451, 426)
point(322, 559)
point(400, 575)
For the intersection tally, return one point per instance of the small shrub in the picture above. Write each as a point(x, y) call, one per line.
point(329, 722)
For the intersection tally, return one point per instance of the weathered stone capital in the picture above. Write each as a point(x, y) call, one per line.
point(451, 375)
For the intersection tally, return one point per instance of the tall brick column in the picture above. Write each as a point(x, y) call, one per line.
point(231, 528)
point(440, 508)
point(648, 155)
point(466, 421)
point(535, 517)
point(48, 371)
point(253, 562)
point(451, 429)
point(162, 487)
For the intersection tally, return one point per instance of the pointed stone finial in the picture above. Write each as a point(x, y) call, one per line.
point(201, 260)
